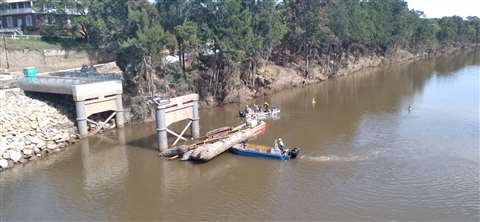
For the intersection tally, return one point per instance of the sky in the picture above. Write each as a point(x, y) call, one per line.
point(440, 8)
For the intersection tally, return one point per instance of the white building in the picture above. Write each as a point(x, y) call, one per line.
point(22, 14)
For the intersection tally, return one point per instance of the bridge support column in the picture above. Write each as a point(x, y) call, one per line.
point(120, 115)
point(81, 118)
point(162, 139)
point(195, 121)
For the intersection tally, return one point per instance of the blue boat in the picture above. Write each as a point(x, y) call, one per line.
point(252, 150)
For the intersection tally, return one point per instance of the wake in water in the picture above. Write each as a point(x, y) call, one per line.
point(334, 158)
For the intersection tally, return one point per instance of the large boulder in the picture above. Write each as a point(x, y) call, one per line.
point(35, 140)
point(3, 163)
point(3, 148)
point(28, 152)
point(15, 155)
point(51, 145)
point(6, 155)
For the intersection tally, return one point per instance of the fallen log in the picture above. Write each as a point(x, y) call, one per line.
point(206, 152)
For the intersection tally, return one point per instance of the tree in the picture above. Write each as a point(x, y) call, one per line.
point(452, 30)
point(474, 29)
point(70, 16)
point(425, 34)
point(108, 25)
point(308, 24)
point(187, 41)
point(175, 16)
point(139, 54)
point(173, 13)
point(226, 35)
point(268, 29)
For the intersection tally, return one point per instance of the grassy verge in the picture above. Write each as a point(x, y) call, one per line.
point(41, 44)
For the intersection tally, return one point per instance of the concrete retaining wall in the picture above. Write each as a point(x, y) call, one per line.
point(44, 60)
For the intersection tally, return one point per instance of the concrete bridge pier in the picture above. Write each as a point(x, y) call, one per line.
point(120, 112)
point(81, 118)
point(174, 110)
point(195, 121)
point(162, 137)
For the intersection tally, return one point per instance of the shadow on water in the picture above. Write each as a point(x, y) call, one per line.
point(148, 142)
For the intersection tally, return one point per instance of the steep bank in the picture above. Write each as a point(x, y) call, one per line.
point(31, 129)
point(272, 78)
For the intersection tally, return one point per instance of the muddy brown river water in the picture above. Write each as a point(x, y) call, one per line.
point(364, 157)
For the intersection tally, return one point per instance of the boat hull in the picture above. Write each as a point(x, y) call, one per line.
point(259, 154)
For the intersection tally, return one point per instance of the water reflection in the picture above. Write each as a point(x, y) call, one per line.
point(104, 161)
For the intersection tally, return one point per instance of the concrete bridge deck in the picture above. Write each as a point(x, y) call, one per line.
point(62, 84)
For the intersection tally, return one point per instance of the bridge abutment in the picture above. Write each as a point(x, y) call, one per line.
point(93, 95)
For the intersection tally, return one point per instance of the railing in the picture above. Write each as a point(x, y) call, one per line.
point(70, 80)
point(11, 32)
point(15, 11)
point(93, 76)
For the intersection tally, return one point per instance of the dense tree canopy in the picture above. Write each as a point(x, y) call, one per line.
point(222, 43)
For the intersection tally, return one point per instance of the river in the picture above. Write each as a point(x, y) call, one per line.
point(365, 156)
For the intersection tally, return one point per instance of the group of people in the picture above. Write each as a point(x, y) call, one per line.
point(256, 108)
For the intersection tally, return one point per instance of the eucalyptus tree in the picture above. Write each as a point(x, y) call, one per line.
point(308, 25)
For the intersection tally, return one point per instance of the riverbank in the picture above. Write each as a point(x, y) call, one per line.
point(273, 78)
point(31, 129)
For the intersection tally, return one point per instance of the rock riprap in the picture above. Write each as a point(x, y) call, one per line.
point(31, 128)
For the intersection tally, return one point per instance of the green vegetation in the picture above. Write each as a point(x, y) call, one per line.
point(222, 43)
point(41, 44)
